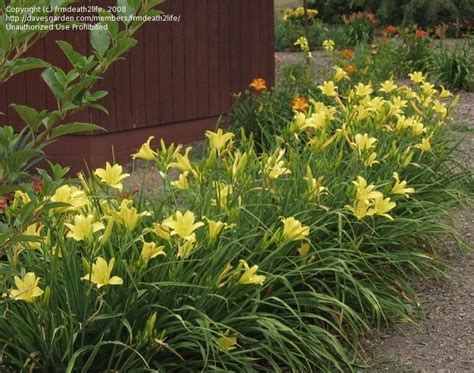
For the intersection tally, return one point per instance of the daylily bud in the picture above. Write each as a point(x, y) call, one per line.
point(46, 296)
point(104, 239)
point(150, 325)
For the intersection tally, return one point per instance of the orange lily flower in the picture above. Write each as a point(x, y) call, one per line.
point(299, 103)
point(347, 53)
point(258, 84)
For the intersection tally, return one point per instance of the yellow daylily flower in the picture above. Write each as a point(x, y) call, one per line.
point(162, 231)
point(339, 74)
point(440, 108)
point(186, 248)
point(33, 230)
point(219, 140)
point(223, 192)
point(304, 249)
point(145, 151)
point(111, 175)
point(445, 93)
point(182, 182)
point(182, 161)
point(250, 277)
point(20, 196)
point(388, 86)
point(363, 112)
point(151, 250)
point(427, 88)
point(425, 145)
point(227, 342)
point(100, 274)
point(328, 45)
point(128, 216)
point(293, 230)
point(274, 167)
point(362, 90)
point(383, 205)
point(371, 159)
point(215, 227)
point(365, 192)
point(71, 195)
point(417, 77)
point(398, 103)
point(376, 104)
point(329, 111)
point(317, 120)
point(364, 142)
point(408, 93)
point(182, 225)
point(240, 162)
point(83, 227)
point(315, 188)
point(328, 88)
point(361, 209)
point(302, 42)
point(299, 122)
point(400, 187)
point(27, 288)
point(417, 128)
point(402, 122)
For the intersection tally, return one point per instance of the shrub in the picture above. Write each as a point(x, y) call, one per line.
point(360, 27)
point(416, 46)
point(425, 13)
point(286, 34)
point(297, 15)
point(72, 90)
point(339, 34)
point(374, 62)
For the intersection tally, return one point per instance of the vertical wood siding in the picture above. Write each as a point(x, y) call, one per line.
point(178, 72)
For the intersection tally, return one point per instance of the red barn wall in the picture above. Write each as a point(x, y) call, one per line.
point(173, 85)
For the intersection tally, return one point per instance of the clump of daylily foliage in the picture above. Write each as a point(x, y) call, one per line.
point(270, 260)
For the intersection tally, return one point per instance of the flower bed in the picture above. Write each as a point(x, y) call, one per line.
point(255, 258)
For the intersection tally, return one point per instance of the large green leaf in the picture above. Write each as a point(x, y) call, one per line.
point(52, 82)
point(123, 46)
point(21, 158)
point(74, 57)
point(100, 41)
point(111, 23)
point(29, 115)
point(25, 64)
point(76, 127)
point(129, 9)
